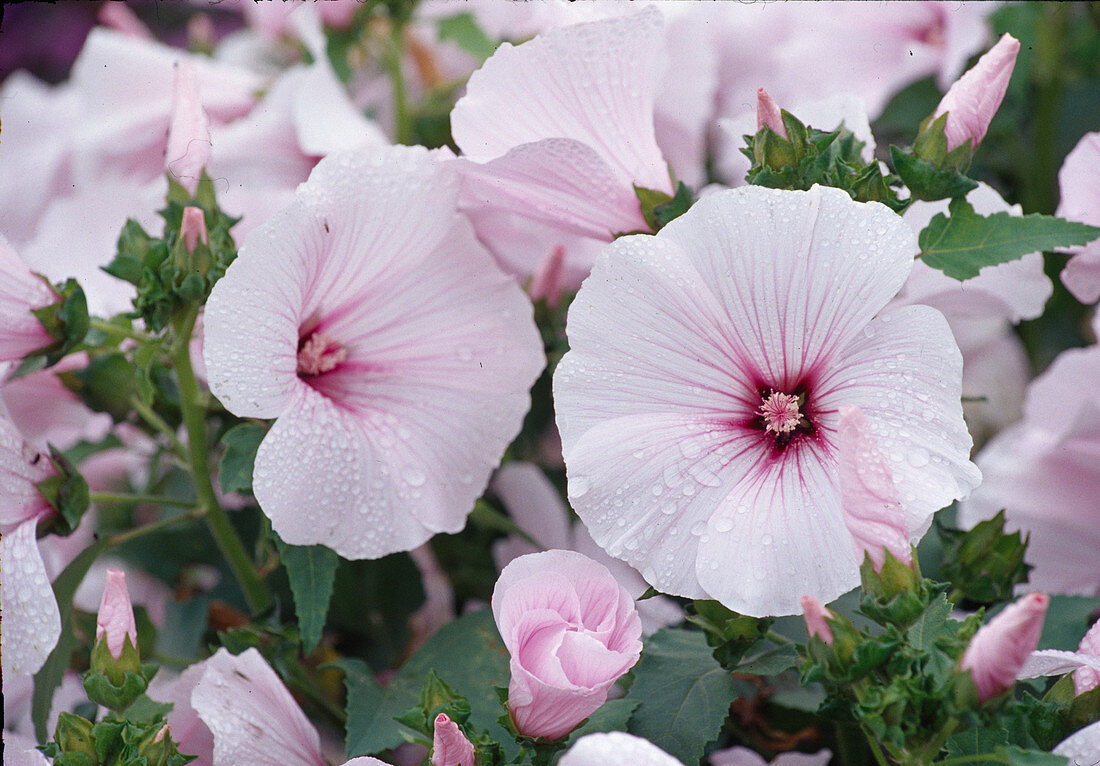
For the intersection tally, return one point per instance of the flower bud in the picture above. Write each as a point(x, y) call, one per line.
point(547, 282)
point(1001, 646)
point(975, 97)
point(115, 621)
point(449, 745)
point(188, 150)
point(157, 747)
point(193, 228)
point(571, 629)
point(73, 734)
point(815, 615)
point(768, 114)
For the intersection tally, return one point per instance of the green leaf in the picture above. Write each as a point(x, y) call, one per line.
point(106, 384)
point(772, 662)
point(959, 245)
point(467, 653)
point(976, 741)
point(1017, 757)
point(613, 715)
point(462, 29)
point(235, 467)
point(311, 570)
point(922, 633)
point(684, 695)
point(49, 677)
point(1067, 619)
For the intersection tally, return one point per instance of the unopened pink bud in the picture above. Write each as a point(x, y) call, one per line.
point(116, 615)
point(161, 734)
point(547, 283)
point(1000, 647)
point(767, 113)
point(815, 615)
point(1087, 678)
point(193, 228)
point(449, 745)
point(188, 150)
point(975, 97)
point(119, 17)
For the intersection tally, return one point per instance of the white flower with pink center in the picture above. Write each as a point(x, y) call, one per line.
point(699, 404)
point(393, 353)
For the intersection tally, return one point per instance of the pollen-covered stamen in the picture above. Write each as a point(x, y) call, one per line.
point(319, 353)
point(780, 413)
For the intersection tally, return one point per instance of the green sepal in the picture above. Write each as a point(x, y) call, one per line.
point(73, 734)
point(730, 633)
point(1084, 709)
point(116, 683)
point(67, 492)
point(985, 563)
point(108, 738)
point(658, 208)
point(928, 182)
point(897, 594)
point(75, 759)
point(106, 384)
point(931, 142)
point(66, 320)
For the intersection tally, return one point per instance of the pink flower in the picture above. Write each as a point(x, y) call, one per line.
point(32, 622)
point(975, 97)
point(395, 356)
point(1043, 472)
point(677, 343)
point(1001, 646)
point(115, 620)
point(767, 113)
point(1084, 663)
point(742, 756)
point(449, 745)
point(1080, 189)
point(567, 156)
point(815, 615)
point(868, 497)
point(188, 150)
point(534, 503)
point(615, 748)
point(251, 715)
point(571, 630)
point(20, 293)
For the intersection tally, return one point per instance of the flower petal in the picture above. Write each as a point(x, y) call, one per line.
point(252, 716)
point(32, 622)
point(616, 748)
point(20, 293)
point(1082, 748)
point(1054, 662)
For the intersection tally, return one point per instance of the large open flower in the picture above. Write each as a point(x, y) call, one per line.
point(698, 407)
point(394, 353)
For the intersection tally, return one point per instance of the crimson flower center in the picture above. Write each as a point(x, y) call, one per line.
point(780, 412)
point(319, 353)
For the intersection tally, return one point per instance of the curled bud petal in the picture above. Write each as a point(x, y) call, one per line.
point(188, 150)
point(868, 497)
point(815, 615)
point(767, 113)
point(449, 745)
point(193, 228)
point(547, 282)
point(975, 97)
point(115, 620)
point(1001, 647)
point(119, 17)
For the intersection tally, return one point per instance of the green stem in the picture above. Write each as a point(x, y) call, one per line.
point(1040, 192)
point(157, 422)
point(880, 757)
point(932, 749)
point(401, 117)
point(156, 526)
point(775, 638)
point(121, 497)
point(194, 420)
point(110, 328)
point(485, 515)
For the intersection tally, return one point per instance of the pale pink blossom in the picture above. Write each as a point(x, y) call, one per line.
point(32, 622)
point(394, 354)
point(249, 712)
point(571, 631)
point(1001, 647)
point(1079, 182)
point(1043, 472)
point(767, 113)
point(975, 97)
point(192, 736)
point(188, 149)
point(114, 622)
point(615, 748)
point(676, 343)
point(534, 503)
point(21, 292)
point(1082, 748)
point(1084, 663)
point(981, 311)
point(46, 412)
point(815, 615)
point(742, 756)
point(449, 745)
point(870, 502)
point(567, 156)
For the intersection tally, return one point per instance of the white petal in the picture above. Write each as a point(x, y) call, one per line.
point(1082, 747)
point(904, 371)
point(1053, 662)
point(251, 714)
point(616, 748)
point(592, 82)
point(32, 622)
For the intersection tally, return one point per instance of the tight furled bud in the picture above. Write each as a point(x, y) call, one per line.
point(449, 745)
point(193, 228)
point(768, 114)
point(1001, 647)
point(115, 621)
point(815, 615)
point(975, 97)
